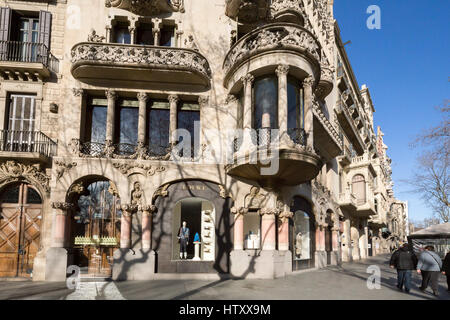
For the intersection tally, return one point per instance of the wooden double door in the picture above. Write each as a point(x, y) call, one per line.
point(20, 221)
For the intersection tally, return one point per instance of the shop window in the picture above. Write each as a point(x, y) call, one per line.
point(252, 230)
point(301, 236)
point(188, 118)
point(127, 125)
point(199, 215)
point(145, 35)
point(158, 119)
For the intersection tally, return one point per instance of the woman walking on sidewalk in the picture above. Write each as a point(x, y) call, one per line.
point(446, 269)
point(429, 266)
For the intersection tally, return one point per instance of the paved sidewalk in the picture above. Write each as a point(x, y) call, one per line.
point(348, 282)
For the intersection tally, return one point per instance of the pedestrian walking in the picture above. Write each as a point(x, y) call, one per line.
point(404, 260)
point(429, 266)
point(446, 269)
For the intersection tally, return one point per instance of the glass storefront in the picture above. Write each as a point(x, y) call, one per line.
point(301, 236)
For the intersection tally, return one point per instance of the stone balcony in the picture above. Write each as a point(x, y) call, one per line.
point(349, 125)
point(26, 61)
point(273, 44)
point(347, 201)
point(274, 158)
point(139, 66)
point(365, 208)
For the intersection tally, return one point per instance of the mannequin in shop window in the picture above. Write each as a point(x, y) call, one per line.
point(183, 236)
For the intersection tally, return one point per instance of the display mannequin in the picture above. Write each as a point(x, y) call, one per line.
point(183, 236)
point(298, 244)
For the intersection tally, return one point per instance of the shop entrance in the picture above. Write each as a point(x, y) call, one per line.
point(199, 216)
point(96, 230)
point(20, 221)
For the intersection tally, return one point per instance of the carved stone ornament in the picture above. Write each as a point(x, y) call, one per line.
point(223, 192)
point(237, 211)
point(127, 209)
point(147, 7)
point(62, 207)
point(126, 55)
point(190, 43)
point(329, 127)
point(76, 188)
point(94, 37)
point(273, 37)
point(12, 171)
point(284, 216)
point(147, 210)
point(161, 192)
point(254, 199)
point(279, 7)
point(63, 167)
point(136, 194)
point(269, 211)
point(128, 168)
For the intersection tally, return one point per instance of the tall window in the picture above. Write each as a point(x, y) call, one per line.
point(96, 120)
point(167, 36)
point(127, 125)
point(122, 34)
point(188, 115)
point(265, 94)
point(295, 105)
point(158, 119)
point(359, 188)
point(21, 123)
point(145, 34)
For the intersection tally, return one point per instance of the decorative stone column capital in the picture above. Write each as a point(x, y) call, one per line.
point(231, 98)
point(284, 216)
point(282, 70)
point(203, 101)
point(147, 210)
point(248, 78)
point(308, 81)
point(173, 98)
point(111, 94)
point(77, 92)
point(269, 211)
point(62, 207)
point(142, 96)
point(127, 209)
point(239, 211)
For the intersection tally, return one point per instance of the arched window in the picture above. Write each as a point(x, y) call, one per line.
point(302, 234)
point(359, 188)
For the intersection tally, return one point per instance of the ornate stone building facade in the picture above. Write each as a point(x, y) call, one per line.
point(121, 119)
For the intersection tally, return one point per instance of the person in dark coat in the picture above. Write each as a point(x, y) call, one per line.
point(446, 269)
point(404, 260)
point(429, 266)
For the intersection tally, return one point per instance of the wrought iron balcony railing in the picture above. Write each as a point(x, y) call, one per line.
point(27, 141)
point(298, 135)
point(28, 52)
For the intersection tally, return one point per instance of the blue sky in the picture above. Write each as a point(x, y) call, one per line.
point(406, 65)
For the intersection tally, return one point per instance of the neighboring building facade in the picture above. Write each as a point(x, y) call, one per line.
point(98, 97)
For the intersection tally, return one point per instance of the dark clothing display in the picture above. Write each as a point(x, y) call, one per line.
point(184, 238)
point(404, 279)
point(446, 269)
point(430, 276)
point(403, 259)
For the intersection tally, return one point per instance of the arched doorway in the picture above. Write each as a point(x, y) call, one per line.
point(20, 224)
point(94, 227)
point(200, 216)
point(302, 235)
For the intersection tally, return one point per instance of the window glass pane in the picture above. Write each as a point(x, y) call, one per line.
point(295, 119)
point(10, 194)
point(123, 35)
point(167, 34)
point(98, 124)
point(129, 125)
point(301, 236)
point(158, 131)
point(145, 35)
point(252, 230)
point(266, 103)
point(186, 120)
point(33, 197)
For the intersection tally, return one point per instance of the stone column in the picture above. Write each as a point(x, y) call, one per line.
point(308, 105)
point(282, 72)
point(108, 34)
point(283, 230)
point(156, 31)
point(132, 31)
point(111, 95)
point(247, 81)
point(147, 213)
point(143, 98)
point(61, 213)
point(268, 228)
point(125, 225)
point(173, 101)
point(239, 227)
point(179, 34)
